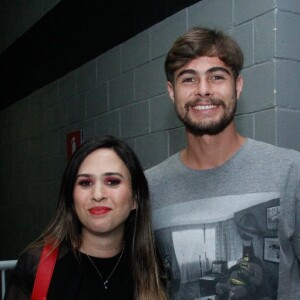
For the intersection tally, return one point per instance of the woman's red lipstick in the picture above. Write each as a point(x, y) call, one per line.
point(99, 210)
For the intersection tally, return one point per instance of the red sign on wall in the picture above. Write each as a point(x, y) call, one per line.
point(74, 140)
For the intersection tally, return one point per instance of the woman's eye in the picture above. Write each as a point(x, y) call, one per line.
point(112, 181)
point(85, 182)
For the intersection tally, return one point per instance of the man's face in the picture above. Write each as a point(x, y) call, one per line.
point(205, 94)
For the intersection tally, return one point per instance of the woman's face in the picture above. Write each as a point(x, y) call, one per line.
point(102, 194)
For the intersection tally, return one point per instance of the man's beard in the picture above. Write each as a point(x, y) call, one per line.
point(212, 127)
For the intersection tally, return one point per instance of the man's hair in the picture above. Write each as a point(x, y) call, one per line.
point(203, 42)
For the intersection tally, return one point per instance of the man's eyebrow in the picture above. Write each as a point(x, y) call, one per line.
point(209, 71)
point(218, 69)
point(186, 71)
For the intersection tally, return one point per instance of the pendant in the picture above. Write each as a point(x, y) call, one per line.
point(105, 283)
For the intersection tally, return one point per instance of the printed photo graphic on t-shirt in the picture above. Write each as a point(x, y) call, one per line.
point(221, 248)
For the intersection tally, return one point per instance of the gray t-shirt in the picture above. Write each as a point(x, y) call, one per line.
point(205, 220)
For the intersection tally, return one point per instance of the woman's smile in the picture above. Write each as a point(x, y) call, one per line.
point(99, 210)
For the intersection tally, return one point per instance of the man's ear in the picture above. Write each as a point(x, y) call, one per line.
point(171, 90)
point(239, 86)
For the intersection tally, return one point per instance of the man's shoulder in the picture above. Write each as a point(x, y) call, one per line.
point(273, 151)
point(165, 166)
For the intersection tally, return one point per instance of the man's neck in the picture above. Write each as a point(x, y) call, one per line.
point(210, 151)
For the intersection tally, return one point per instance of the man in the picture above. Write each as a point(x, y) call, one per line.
point(218, 194)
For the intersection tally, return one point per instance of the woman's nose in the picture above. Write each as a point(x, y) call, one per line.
point(98, 193)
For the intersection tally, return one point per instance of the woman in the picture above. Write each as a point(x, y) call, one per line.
point(102, 228)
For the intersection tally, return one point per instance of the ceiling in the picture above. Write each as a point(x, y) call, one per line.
point(71, 34)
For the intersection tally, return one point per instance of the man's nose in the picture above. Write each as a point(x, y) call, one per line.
point(204, 88)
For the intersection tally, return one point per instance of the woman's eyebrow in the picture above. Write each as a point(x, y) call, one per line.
point(113, 174)
point(84, 175)
point(104, 174)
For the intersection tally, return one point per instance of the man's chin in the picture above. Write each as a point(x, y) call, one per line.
point(203, 131)
point(207, 129)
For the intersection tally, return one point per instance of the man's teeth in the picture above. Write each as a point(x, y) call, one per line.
point(204, 107)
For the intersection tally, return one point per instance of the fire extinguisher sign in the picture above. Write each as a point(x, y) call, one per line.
point(74, 140)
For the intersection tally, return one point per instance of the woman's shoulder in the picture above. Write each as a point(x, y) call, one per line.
point(21, 279)
point(29, 259)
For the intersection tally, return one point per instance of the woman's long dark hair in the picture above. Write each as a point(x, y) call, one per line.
point(65, 228)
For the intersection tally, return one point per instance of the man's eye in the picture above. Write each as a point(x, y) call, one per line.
point(217, 77)
point(112, 181)
point(188, 79)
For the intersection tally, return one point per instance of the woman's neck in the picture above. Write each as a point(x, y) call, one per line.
point(103, 247)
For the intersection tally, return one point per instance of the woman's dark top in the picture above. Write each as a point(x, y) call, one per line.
point(74, 278)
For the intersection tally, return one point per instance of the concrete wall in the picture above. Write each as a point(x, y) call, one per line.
point(123, 92)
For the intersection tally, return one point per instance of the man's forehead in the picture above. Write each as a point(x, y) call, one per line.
point(204, 62)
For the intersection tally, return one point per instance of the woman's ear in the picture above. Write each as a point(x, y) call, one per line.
point(134, 205)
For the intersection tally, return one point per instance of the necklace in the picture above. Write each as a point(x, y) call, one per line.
point(105, 282)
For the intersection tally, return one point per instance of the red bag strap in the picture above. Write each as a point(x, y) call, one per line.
point(44, 273)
